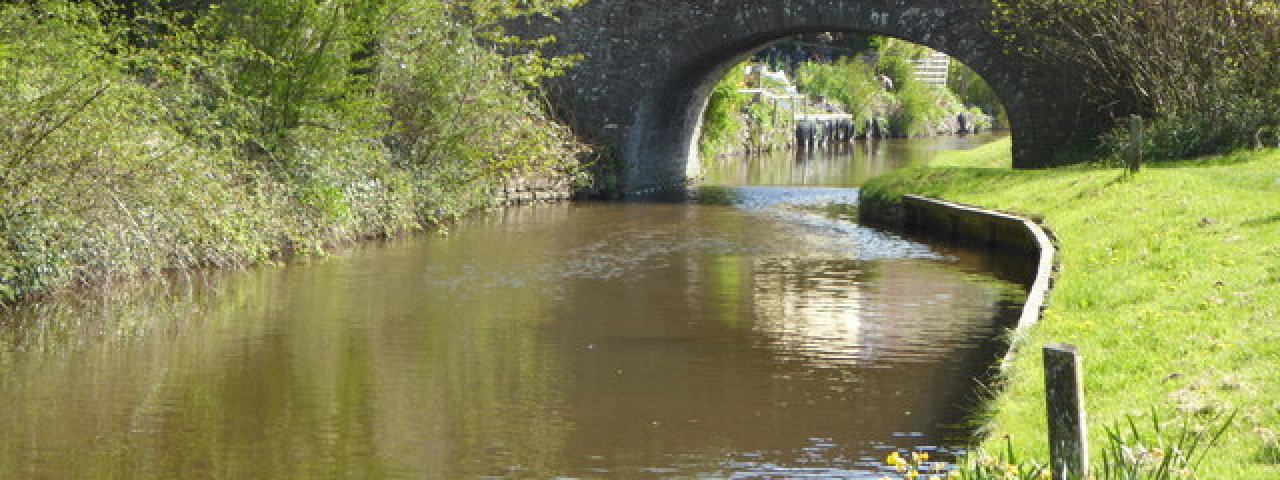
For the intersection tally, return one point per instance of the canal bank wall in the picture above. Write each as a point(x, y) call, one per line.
point(533, 190)
point(975, 226)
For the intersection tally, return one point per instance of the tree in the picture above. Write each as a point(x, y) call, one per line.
point(1206, 70)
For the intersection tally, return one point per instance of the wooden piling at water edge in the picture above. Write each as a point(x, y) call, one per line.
point(1064, 395)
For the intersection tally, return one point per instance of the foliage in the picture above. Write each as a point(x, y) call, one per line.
point(912, 108)
point(1206, 70)
point(849, 83)
point(1130, 452)
point(455, 121)
point(769, 127)
point(224, 136)
point(734, 122)
point(1134, 453)
point(1166, 283)
point(96, 178)
point(920, 108)
point(721, 123)
point(894, 57)
point(972, 89)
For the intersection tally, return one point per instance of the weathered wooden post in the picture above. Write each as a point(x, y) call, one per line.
point(1064, 394)
point(1136, 132)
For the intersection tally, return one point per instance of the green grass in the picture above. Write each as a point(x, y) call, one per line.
point(1170, 285)
point(991, 155)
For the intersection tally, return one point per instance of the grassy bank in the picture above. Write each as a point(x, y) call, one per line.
point(1170, 284)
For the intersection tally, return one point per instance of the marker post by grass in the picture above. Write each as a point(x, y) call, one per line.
point(1170, 280)
point(1136, 134)
point(1064, 398)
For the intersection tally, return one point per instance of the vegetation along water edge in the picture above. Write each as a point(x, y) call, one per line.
point(136, 140)
point(1169, 284)
point(1169, 277)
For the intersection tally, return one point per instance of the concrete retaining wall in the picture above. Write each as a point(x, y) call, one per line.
point(971, 225)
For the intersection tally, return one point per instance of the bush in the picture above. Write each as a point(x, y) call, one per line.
point(972, 89)
point(849, 83)
point(722, 121)
point(921, 108)
point(912, 108)
point(1205, 70)
point(226, 136)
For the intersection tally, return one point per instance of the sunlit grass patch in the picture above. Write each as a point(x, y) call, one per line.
point(991, 155)
point(1170, 285)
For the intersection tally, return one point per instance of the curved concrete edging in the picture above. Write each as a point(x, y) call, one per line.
point(970, 224)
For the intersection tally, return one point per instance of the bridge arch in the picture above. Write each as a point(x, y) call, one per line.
point(649, 66)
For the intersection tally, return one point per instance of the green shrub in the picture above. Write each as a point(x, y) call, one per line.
point(722, 121)
point(225, 136)
point(849, 83)
point(1205, 71)
point(921, 108)
point(972, 89)
point(911, 109)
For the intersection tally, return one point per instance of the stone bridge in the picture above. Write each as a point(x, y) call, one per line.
point(650, 65)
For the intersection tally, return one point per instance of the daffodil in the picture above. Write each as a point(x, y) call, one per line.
point(893, 459)
point(1012, 469)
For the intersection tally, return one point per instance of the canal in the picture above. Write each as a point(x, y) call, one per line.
point(754, 331)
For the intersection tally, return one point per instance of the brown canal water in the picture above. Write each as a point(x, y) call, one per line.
point(755, 333)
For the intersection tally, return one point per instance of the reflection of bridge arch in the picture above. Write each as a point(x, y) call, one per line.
point(831, 313)
point(650, 64)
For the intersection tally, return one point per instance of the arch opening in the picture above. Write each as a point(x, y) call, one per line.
point(649, 68)
point(674, 126)
point(827, 90)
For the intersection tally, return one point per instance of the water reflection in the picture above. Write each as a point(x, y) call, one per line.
point(844, 165)
point(755, 336)
point(833, 312)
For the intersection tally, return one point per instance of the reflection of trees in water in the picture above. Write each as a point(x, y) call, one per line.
point(437, 359)
point(315, 373)
point(845, 165)
point(849, 312)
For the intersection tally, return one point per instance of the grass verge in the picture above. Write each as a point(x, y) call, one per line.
point(1170, 285)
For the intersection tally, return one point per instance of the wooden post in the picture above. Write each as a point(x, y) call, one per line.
point(1136, 131)
point(1064, 393)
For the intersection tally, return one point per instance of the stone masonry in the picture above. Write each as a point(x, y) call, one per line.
point(650, 64)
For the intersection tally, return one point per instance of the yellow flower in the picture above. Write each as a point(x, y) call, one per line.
point(893, 459)
point(897, 461)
